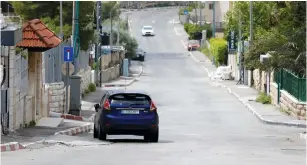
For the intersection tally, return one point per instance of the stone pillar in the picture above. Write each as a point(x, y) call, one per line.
point(12, 88)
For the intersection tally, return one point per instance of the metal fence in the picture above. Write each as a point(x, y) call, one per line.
point(21, 73)
point(53, 60)
point(291, 83)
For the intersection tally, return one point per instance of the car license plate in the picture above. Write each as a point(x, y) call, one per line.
point(130, 112)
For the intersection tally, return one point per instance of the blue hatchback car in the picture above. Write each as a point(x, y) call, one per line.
point(126, 113)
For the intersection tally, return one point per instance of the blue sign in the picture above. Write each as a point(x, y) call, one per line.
point(232, 41)
point(185, 12)
point(68, 54)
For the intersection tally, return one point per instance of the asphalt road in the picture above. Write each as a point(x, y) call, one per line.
point(199, 122)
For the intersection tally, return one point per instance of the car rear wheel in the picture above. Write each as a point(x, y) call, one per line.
point(102, 135)
point(152, 136)
point(95, 133)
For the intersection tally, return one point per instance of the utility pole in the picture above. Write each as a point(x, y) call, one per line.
point(200, 18)
point(213, 22)
point(118, 28)
point(96, 46)
point(111, 36)
point(60, 60)
point(61, 37)
point(73, 23)
point(241, 78)
point(251, 22)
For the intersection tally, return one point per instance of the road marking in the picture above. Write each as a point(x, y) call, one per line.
point(178, 34)
point(196, 60)
point(184, 45)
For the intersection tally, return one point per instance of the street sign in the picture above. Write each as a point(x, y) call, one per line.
point(68, 54)
point(69, 71)
point(185, 12)
point(232, 41)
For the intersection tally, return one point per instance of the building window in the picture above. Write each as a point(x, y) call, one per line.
point(210, 6)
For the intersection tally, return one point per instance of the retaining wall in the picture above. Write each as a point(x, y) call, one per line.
point(56, 97)
point(86, 78)
point(110, 73)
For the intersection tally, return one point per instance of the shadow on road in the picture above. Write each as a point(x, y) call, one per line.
point(136, 141)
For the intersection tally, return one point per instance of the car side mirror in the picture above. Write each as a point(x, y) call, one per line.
point(96, 106)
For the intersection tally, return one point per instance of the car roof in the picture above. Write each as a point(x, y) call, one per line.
point(118, 91)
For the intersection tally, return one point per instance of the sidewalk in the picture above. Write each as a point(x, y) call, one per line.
point(266, 113)
point(21, 138)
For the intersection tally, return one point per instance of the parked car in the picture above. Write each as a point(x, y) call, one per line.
point(140, 55)
point(193, 44)
point(124, 112)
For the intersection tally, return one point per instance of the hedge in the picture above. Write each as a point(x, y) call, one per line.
point(218, 48)
point(193, 29)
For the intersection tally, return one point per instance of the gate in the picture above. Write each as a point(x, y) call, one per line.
point(21, 84)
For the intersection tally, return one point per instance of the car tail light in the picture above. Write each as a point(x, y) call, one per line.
point(152, 106)
point(106, 105)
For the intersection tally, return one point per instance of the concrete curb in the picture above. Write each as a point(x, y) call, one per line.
point(67, 116)
point(12, 146)
point(251, 109)
point(130, 81)
point(75, 130)
point(72, 117)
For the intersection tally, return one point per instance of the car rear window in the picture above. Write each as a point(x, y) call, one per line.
point(194, 42)
point(130, 98)
point(147, 28)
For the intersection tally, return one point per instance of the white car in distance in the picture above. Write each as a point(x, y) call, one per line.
point(147, 31)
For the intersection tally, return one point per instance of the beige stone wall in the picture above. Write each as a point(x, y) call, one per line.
point(105, 61)
point(86, 78)
point(110, 73)
point(274, 94)
point(29, 113)
point(259, 78)
point(290, 103)
point(109, 60)
point(56, 97)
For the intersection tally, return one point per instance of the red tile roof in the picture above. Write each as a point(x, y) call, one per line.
point(35, 34)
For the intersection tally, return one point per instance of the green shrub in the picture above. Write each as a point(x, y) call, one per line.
point(32, 123)
point(263, 98)
point(92, 87)
point(193, 29)
point(87, 91)
point(218, 48)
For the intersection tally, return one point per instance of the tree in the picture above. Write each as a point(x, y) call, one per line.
point(279, 28)
point(109, 8)
point(125, 38)
point(48, 12)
